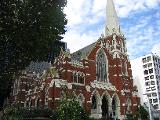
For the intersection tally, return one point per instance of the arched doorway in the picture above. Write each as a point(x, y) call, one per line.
point(94, 102)
point(115, 107)
point(95, 105)
point(105, 108)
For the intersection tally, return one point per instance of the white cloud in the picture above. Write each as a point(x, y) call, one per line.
point(76, 11)
point(152, 3)
point(156, 49)
point(76, 41)
point(141, 36)
point(84, 15)
point(98, 6)
point(125, 7)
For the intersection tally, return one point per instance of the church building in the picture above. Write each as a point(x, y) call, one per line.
point(99, 76)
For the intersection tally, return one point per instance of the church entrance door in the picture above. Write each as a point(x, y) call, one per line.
point(104, 107)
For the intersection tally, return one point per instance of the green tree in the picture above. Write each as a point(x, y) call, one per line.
point(70, 109)
point(130, 117)
point(16, 113)
point(140, 113)
point(27, 29)
point(143, 113)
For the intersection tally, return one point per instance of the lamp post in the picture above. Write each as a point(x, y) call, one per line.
point(149, 107)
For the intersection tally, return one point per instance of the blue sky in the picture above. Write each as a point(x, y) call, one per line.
point(139, 21)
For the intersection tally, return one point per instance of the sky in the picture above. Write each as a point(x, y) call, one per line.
point(139, 21)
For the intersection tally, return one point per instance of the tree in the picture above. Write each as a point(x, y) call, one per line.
point(17, 113)
point(27, 29)
point(143, 113)
point(70, 109)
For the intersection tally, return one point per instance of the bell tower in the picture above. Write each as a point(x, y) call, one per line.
point(117, 41)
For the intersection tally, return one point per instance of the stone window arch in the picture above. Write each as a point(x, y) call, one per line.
point(124, 68)
point(95, 100)
point(95, 103)
point(74, 77)
point(81, 78)
point(106, 104)
point(101, 66)
point(115, 106)
point(128, 104)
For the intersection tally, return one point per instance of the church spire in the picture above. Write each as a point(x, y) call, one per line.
point(112, 24)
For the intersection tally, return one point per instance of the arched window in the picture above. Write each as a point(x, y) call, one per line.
point(128, 104)
point(124, 68)
point(81, 78)
point(114, 106)
point(94, 102)
point(101, 67)
point(75, 77)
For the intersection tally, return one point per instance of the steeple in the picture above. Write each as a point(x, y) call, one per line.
point(112, 24)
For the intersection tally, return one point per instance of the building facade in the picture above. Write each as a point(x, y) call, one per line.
point(99, 76)
point(149, 75)
point(146, 71)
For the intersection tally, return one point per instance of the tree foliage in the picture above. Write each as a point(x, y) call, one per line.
point(68, 110)
point(143, 113)
point(140, 113)
point(71, 110)
point(27, 29)
point(16, 113)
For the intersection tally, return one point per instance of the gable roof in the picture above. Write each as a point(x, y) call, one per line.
point(84, 52)
point(38, 67)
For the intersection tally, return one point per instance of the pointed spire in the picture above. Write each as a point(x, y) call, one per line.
point(112, 24)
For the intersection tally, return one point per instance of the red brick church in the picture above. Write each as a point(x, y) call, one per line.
point(99, 76)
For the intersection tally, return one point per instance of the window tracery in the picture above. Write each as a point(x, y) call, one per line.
point(101, 67)
point(78, 77)
point(128, 104)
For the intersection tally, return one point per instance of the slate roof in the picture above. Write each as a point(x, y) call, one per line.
point(38, 67)
point(82, 52)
